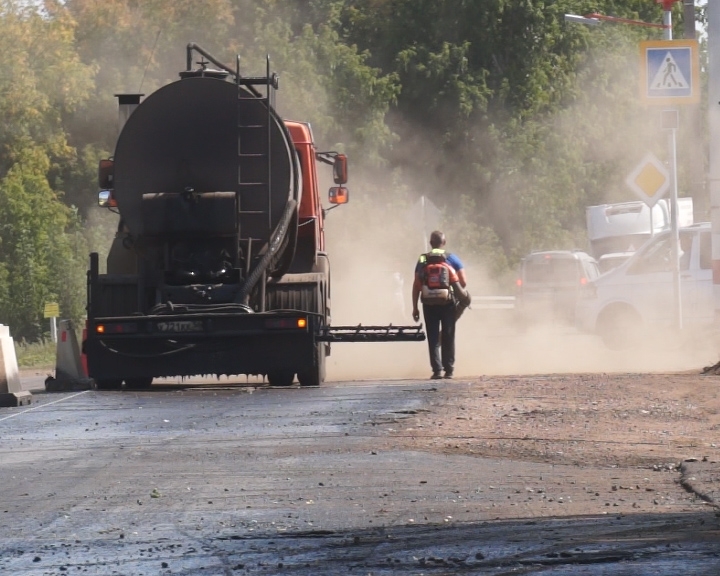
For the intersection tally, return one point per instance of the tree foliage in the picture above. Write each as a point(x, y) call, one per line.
point(42, 79)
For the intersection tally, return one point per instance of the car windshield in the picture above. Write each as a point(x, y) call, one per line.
point(658, 255)
point(551, 270)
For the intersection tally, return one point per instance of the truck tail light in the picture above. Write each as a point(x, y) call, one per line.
point(286, 323)
point(588, 290)
point(116, 328)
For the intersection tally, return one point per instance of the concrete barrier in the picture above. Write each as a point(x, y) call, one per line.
point(11, 392)
point(69, 372)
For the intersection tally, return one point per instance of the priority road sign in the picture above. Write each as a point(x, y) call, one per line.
point(650, 180)
point(669, 72)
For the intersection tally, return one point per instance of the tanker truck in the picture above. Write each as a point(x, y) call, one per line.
point(218, 266)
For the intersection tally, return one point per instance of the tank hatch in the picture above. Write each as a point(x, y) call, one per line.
point(204, 72)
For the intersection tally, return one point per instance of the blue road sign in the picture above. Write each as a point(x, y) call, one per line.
point(669, 72)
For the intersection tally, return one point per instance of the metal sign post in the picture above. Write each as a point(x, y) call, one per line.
point(670, 76)
point(670, 123)
point(52, 311)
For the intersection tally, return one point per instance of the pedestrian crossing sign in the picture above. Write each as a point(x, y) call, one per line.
point(669, 72)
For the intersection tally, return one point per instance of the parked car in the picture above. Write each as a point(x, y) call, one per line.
point(636, 299)
point(549, 285)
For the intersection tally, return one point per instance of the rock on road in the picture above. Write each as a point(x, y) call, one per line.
point(393, 477)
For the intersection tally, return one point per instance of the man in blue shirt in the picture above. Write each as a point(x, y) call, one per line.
point(439, 318)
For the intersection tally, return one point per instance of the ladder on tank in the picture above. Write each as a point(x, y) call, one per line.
point(254, 160)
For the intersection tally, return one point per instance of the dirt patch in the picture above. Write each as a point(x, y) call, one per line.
point(646, 420)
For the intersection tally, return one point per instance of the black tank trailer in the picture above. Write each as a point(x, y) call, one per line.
point(209, 273)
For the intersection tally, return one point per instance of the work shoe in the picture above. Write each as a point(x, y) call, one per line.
point(448, 375)
point(436, 376)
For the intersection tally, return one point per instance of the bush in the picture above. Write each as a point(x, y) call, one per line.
point(36, 354)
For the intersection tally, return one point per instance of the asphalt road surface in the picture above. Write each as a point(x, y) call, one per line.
point(244, 480)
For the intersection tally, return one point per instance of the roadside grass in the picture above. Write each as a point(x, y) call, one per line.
point(39, 355)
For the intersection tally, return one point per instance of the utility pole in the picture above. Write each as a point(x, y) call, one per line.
point(713, 32)
point(689, 18)
point(694, 155)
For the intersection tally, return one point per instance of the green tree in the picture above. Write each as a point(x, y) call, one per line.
point(502, 101)
point(41, 81)
point(41, 252)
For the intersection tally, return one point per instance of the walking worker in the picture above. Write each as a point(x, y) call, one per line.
point(439, 283)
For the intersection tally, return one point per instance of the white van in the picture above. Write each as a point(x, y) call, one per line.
point(637, 297)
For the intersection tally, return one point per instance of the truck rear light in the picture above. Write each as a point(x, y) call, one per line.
point(117, 328)
point(583, 281)
point(588, 290)
point(286, 323)
point(518, 282)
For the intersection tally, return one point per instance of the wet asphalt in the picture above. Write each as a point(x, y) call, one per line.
point(246, 480)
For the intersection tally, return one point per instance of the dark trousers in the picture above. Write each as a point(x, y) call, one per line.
point(440, 320)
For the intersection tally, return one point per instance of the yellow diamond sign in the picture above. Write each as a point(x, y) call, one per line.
point(650, 180)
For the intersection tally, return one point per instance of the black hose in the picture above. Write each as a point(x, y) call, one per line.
point(274, 245)
point(192, 46)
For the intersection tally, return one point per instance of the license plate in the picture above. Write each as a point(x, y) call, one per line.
point(178, 326)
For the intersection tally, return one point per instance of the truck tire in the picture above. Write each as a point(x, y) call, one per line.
point(281, 378)
point(316, 375)
point(110, 384)
point(138, 383)
point(310, 297)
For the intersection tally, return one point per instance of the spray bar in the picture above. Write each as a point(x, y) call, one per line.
point(362, 333)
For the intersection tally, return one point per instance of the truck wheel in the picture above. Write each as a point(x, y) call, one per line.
point(138, 383)
point(112, 384)
point(316, 375)
point(280, 378)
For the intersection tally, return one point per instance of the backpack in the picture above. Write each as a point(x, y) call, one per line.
point(436, 279)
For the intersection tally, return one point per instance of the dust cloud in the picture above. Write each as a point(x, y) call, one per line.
point(371, 285)
point(368, 247)
point(489, 344)
point(373, 248)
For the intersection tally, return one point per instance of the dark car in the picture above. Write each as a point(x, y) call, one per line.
point(549, 284)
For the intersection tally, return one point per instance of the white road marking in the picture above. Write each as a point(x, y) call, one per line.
point(43, 405)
